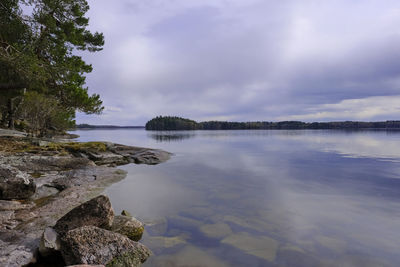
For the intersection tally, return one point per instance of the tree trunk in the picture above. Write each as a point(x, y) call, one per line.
point(3, 118)
point(11, 113)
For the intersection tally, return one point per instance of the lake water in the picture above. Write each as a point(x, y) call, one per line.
point(265, 198)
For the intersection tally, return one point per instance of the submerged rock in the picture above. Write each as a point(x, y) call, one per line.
point(186, 256)
point(96, 212)
point(260, 246)
point(158, 243)
point(157, 227)
point(93, 245)
point(217, 230)
point(128, 226)
point(15, 184)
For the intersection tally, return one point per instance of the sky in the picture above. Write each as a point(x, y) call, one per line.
point(246, 60)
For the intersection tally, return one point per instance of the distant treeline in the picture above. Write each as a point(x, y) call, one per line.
point(168, 123)
point(88, 126)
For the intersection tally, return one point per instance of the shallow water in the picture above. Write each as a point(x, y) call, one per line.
point(265, 198)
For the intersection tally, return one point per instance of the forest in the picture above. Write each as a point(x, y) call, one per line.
point(168, 123)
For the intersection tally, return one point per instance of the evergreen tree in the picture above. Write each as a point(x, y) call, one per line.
point(38, 53)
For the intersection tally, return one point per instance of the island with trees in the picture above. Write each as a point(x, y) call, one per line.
point(167, 123)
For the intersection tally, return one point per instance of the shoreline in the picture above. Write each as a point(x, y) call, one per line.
point(61, 175)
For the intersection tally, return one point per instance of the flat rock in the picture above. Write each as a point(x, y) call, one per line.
point(140, 155)
point(95, 212)
point(93, 245)
point(15, 184)
point(104, 158)
point(128, 226)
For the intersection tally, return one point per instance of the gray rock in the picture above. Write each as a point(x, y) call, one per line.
point(95, 212)
point(12, 205)
point(139, 155)
point(128, 226)
point(16, 249)
point(93, 245)
point(44, 191)
point(15, 184)
point(104, 158)
point(58, 163)
point(78, 179)
point(49, 243)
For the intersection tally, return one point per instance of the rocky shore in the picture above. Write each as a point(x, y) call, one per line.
point(51, 203)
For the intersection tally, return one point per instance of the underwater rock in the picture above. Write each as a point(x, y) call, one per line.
point(186, 257)
point(295, 256)
point(331, 243)
point(96, 212)
point(184, 222)
point(157, 227)
point(217, 230)
point(162, 242)
point(128, 226)
point(260, 246)
point(93, 245)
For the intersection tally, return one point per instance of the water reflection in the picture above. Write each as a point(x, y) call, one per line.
point(268, 198)
point(171, 136)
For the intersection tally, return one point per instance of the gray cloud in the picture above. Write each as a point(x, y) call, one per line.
point(245, 60)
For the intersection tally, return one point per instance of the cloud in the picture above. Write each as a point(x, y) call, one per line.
point(244, 60)
point(371, 108)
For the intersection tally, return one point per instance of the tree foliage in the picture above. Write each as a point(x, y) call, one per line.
point(41, 114)
point(168, 123)
point(38, 53)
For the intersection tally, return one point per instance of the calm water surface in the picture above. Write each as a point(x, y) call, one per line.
point(265, 198)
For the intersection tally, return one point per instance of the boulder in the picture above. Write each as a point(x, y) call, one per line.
point(49, 242)
point(95, 212)
point(93, 245)
point(128, 226)
point(15, 184)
